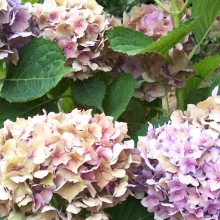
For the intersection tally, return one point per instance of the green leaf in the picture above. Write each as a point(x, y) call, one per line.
point(167, 42)
point(66, 104)
point(197, 95)
point(135, 112)
point(61, 87)
point(203, 70)
point(32, 1)
point(40, 68)
point(23, 110)
point(126, 40)
point(131, 209)
point(118, 95)
point(132, 42)
point(1, 85)
point(90, 92)
point(206, 11)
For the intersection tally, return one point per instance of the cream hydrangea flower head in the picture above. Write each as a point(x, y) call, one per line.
point(77, 158)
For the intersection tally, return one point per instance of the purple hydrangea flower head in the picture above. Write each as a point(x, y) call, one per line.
point(15, 30)
point(14, 3)
point(181, 160)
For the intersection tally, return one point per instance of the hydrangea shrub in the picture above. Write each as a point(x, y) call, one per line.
point(73, 164)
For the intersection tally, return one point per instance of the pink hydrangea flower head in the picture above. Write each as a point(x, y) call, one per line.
point(79, 28)
point(149, 19)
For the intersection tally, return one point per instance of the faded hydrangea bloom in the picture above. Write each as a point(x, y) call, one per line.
point(15, 31)
point(77, 158)
point(157, 75)
point(180, 172)
point(79, 28)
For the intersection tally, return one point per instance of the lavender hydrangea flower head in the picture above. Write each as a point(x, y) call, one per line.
point(79, 158)
point(79, 28)
point(180, 174)
point(15, 29)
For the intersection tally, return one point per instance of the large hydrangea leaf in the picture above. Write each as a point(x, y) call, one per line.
point(40, 68)
point(206, 11)
point(90, 92)
point(203, 70)
point(132, 42)
point(127, 41)
point(118, 95)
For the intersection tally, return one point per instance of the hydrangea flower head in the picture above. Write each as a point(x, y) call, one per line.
point(149, 19)
point(79, 28)
point(158, 76)
point(15, 29)
point(77, 158)
point(180, 173)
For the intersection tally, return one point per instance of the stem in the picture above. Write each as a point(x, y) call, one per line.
point(167, 103)
point(180, 99)
point(184, 6)
point(176, 13)
point(164, 7)
point(192, 53)
point(2, 70)
point(177, 22)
